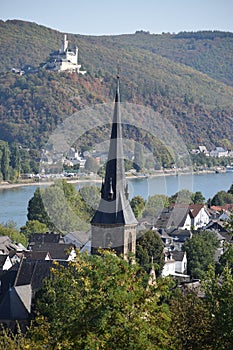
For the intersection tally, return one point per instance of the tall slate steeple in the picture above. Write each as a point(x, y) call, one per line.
point(114, 223)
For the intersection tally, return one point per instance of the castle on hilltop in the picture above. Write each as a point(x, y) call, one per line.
point(64, 59)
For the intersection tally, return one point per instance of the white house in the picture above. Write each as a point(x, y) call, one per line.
point(180, 261)
point(169, 267)
point(199, 216)
point(219, 152)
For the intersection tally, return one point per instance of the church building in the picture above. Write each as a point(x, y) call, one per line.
point(114, 224)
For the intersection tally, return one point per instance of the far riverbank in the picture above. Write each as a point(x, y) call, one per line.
point(170, 172)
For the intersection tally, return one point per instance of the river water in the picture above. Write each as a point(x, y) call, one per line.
point(14, 202)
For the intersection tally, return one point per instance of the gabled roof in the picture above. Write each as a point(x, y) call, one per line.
point(195, 209)
point(173, 217)
point(57, 251)
point(178, 255)
point(179, 235)
point(16, 304)
point(33, 272)
point(3, 260)
point(34, 255)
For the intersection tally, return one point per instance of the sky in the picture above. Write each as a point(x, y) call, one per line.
point(98, 17)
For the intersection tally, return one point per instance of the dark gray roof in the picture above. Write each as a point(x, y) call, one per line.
point(114, 207)
point(34, 255)
point(179, 235)
point(172, 217)
point(42, 238)
point(3, 260)
point(59, 251)
point(16, 304)
point(7, 279)
point(178, 255)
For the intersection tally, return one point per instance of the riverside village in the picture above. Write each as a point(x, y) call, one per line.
point(161, 239)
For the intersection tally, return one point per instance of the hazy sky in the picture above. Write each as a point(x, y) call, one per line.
point(122, 16)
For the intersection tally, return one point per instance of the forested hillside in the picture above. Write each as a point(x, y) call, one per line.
point(186, 77)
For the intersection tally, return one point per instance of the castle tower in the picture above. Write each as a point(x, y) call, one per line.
point(114, 224)
point(65, 43)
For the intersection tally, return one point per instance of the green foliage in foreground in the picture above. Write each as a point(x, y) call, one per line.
point(99, 302)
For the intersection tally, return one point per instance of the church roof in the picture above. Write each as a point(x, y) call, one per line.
point(114, 207)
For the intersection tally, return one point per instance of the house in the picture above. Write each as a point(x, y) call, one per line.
point(42, 238)
point(56, 251)
point(18, 288)
point(219, 152)
point(78, 239)
point(169, 267)
point(7, 246)
point(199, 216)
point(175, 265)
point(179, 237)
point(180, 261)
point(182, 216)
point(176, 217)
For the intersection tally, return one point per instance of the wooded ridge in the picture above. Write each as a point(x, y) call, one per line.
point(187, 77)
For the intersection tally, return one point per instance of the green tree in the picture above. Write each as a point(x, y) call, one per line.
point(139, 159)
point(155, 204)
point(149, 246)
point(182, 197)
point(200, 251)
point(36, 209)
point(219, 299)
point(192, 321)
point(198, 198)
point(137, 204)
point(99, 302)
point(5, 161)
point(230, 189)
point(222, 198)
point(61, 208)
point(33, 226)
point(9, 229)
point(15, 158)
point(226, 259)
point(91, 165)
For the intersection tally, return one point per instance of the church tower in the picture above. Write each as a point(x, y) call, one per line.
point(114, 224)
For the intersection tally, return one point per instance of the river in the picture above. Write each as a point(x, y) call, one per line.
point(14, 201)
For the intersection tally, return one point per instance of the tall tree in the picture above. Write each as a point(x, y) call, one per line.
point(149, 246)
point(139, 159)
point(15, 158)
point(5, 161)
point(200, 251)
point(137, 204)
point(219, 299)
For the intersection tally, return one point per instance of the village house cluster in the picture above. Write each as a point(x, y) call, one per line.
point(217, 152)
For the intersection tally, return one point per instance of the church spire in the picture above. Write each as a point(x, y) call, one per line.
point(114, 208)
